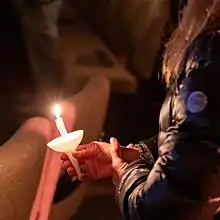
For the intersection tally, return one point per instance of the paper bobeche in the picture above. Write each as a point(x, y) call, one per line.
point(67, 143)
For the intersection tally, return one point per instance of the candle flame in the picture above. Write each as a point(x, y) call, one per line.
point(57, 110)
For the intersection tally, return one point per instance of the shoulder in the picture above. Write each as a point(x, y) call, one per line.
point(201, 76)
point(204, 51)
point(198, 86)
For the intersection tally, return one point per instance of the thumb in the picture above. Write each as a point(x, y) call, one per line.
point(115, 150)
point(130, 146)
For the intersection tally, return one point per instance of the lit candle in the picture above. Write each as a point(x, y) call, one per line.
point(64, 134)
point(59, 120)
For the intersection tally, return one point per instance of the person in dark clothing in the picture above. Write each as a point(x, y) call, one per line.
point(177, 174)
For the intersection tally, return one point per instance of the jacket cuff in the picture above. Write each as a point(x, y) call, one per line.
point(152, 146)
point(145, 153)
point(132, 176)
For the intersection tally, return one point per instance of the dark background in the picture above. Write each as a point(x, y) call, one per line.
point(131, 117)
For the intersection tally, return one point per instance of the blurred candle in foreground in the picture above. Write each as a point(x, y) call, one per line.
point(59, 120)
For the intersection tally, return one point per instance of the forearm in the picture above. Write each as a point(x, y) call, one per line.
point(134, 173)
point(174, 181)
point(130, 177)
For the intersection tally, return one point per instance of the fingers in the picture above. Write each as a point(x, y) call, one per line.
point(85, 151)
point(66, 164)
point(83, 154)
point(84, 175)
point(64, 157)
point(114, 148)
point(115, 151)
point(83, 147)
point(130, 146)
point(71, 171)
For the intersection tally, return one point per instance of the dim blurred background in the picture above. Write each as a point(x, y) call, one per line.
point(123, 40)
point(134, 31)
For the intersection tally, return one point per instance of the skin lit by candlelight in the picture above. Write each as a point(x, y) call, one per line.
point(57, 110)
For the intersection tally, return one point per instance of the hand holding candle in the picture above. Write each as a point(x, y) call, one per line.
point(67, 142)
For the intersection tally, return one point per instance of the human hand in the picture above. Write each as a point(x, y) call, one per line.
point(95, 160)
point(118, 164)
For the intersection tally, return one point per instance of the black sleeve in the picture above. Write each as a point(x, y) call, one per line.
point(188, 158)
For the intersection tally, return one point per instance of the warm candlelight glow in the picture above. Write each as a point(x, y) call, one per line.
point(57, 110)
point(67, 142)
point(59, 120)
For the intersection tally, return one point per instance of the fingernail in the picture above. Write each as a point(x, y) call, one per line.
point(112, 140)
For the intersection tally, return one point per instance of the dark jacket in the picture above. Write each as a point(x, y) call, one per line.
point(184, 181)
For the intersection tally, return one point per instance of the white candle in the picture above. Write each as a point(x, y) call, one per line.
point(59, 120)
point(63, 132)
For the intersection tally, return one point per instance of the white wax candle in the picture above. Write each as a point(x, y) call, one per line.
point(61, 126)
point(63, 132)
